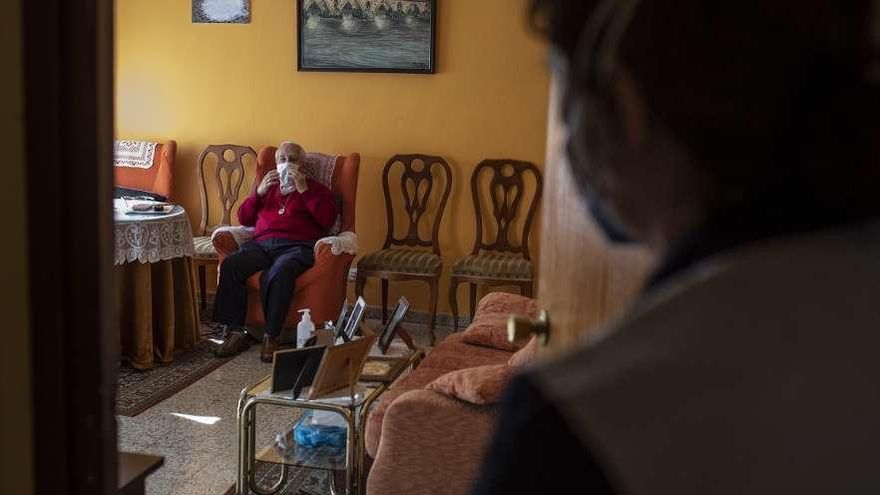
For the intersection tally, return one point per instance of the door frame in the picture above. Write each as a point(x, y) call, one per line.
point(68, 84)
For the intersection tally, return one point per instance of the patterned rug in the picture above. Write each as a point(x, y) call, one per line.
point(138, 391)
point(300, 481)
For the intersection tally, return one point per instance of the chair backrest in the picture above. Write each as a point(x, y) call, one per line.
point(228, 190)
point(507, 187)
point(416, 200)
point(157, 179)
point(343, 184)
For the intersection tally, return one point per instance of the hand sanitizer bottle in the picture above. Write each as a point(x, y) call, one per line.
point(304, 329)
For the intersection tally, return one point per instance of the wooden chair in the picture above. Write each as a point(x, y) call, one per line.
point(499, 262)
point(229, 176)
point(406, 258)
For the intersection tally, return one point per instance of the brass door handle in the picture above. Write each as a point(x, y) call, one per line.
point(522, 327)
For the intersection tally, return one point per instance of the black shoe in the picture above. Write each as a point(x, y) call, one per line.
point(236, 342)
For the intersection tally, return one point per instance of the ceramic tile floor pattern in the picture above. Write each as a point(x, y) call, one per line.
point(195, 430)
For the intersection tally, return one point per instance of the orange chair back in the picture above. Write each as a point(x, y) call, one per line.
point(344, 182)
point(157, 179)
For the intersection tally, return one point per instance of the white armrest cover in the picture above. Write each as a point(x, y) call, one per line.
point(345, 242)
point(239, 233)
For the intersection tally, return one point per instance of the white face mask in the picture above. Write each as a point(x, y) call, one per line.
point(284, 170)
point(285, 176)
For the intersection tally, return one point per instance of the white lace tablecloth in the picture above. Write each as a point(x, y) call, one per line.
point(152, 238)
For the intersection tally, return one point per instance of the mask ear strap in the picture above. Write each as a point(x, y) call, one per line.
point(581, 72)
point(587, 103)
point(584, 59)
point(596, 49)
point(620, 21)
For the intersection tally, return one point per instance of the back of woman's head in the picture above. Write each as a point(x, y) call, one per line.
point(767, 96)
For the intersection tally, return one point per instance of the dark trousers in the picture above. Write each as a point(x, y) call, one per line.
point(281, 261)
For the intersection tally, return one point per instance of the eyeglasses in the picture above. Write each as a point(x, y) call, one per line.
point(588, 103)
point(589, 71)
point(595, 56)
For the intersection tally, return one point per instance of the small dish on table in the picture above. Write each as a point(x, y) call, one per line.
point(137, 205)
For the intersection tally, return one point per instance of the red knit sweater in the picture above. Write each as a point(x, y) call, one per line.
point(307, 216)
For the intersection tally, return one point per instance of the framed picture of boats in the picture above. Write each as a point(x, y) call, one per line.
point(367, 35)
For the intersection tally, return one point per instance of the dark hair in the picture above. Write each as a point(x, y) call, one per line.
point(766, 95)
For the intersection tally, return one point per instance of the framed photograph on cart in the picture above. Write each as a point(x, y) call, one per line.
point(352, 321)
point(341, 367)
point(390, 330)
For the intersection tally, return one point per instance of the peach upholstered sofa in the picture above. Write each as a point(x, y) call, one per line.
point(428, 433)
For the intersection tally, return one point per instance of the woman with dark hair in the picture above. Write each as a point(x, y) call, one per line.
point(740, 141)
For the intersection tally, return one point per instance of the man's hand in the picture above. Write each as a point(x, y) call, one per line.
point(269, 180)
point(300, 180)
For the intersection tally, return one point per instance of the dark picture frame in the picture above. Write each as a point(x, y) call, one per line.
point(294, 369)
point(339, 324)
point(390, 330)
point(352, 323)
point(346, 41)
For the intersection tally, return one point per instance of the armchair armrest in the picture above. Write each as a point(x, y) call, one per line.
point(228, 238)
point(430, 440)
point(225, 244)
point(344, 243)
point(326, 265)
point(323, 254)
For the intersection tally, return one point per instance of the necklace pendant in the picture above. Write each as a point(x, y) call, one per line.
point(281, 211)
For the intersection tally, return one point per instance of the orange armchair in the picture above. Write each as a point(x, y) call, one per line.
point(156, 179)
point(322, 288)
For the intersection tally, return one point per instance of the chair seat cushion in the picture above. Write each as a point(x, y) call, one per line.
point(402, 260)
point(204, 248)
point(494, 265)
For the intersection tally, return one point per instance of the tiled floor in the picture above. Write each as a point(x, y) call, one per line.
point(195, 429)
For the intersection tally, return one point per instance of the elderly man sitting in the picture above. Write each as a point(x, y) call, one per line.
point(289, 213)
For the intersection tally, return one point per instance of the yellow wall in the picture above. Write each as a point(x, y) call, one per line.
point(16, 448)
point(201, 84)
